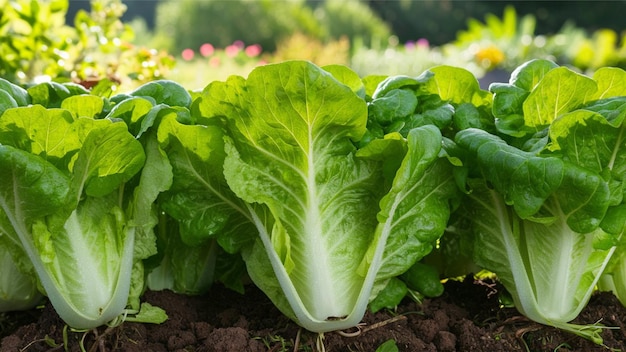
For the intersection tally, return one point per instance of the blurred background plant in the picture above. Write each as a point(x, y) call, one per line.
point(37, 45)
point(34, 39)
point(500, 44)
point(113, 40)
point(181, 24)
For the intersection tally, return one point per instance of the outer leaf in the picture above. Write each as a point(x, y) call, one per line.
point(395, 105)
point(550, 270)
point(529, 74)
point(47, 133)
point(199, 198)
point(596, 142)
point(512, 171)
point(164, 92)
point(19, 94)
point(612, 109)
point(84, 105)
point(526, 181)
point(611, 82)
point(18, 284)
point(93, 245)
point(414, 213)
point(561, 90)
point(457, 85)
point(400, 81)
point(585, 138)
point(508, 99)
point(348, 77)
point(52, 94)
point(109, 157)
point(132, 111)
point(6, 101)
point(28, 180)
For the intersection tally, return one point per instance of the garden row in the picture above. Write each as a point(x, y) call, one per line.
point(331, 192)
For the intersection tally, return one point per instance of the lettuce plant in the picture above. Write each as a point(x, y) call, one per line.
point(70, 198)
point(545, 197)
point(332, 222)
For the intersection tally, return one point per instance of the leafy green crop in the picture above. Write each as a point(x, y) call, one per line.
point(71, 189)
point(330, 191)
point(541, 194)
point(334, 222)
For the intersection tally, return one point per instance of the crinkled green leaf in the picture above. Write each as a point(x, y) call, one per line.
point(612, 109)
point(109, 156)
point(529, 74)
point(415, 211)
point(561, 90)
point(611, 82)
point(401, 81)
point(27, 179)
point(52, 94)
point(512, 171)
point(83, 105)
point(457, 85)
point(199, 198)
point(6, 101)
point(348, 77)
point(18, 285)
point(526, 181)
point(47, 133)
point(19, 94)
point(164, 92)
point(585, 138)
point(508, 98)
point(395, 105)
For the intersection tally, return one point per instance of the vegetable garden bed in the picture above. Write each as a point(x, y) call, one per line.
point(468, 317)
point(343, 199)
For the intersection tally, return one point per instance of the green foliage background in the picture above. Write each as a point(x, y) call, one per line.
point(184, 24)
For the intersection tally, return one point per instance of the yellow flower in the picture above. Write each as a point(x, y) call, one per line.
point(489, 57)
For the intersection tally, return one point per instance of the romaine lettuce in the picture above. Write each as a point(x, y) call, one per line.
point(334, 222)
point(545, 201)
point(68, 193)
point(534, 223)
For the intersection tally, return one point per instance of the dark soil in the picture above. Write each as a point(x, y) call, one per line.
point(468, 317)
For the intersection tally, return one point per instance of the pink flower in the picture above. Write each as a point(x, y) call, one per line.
point(187, 54)
point(232, 50)
point(239, 44)
point(215, 61)
point(207, 49)
point(253, 50)
point(422, 43)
